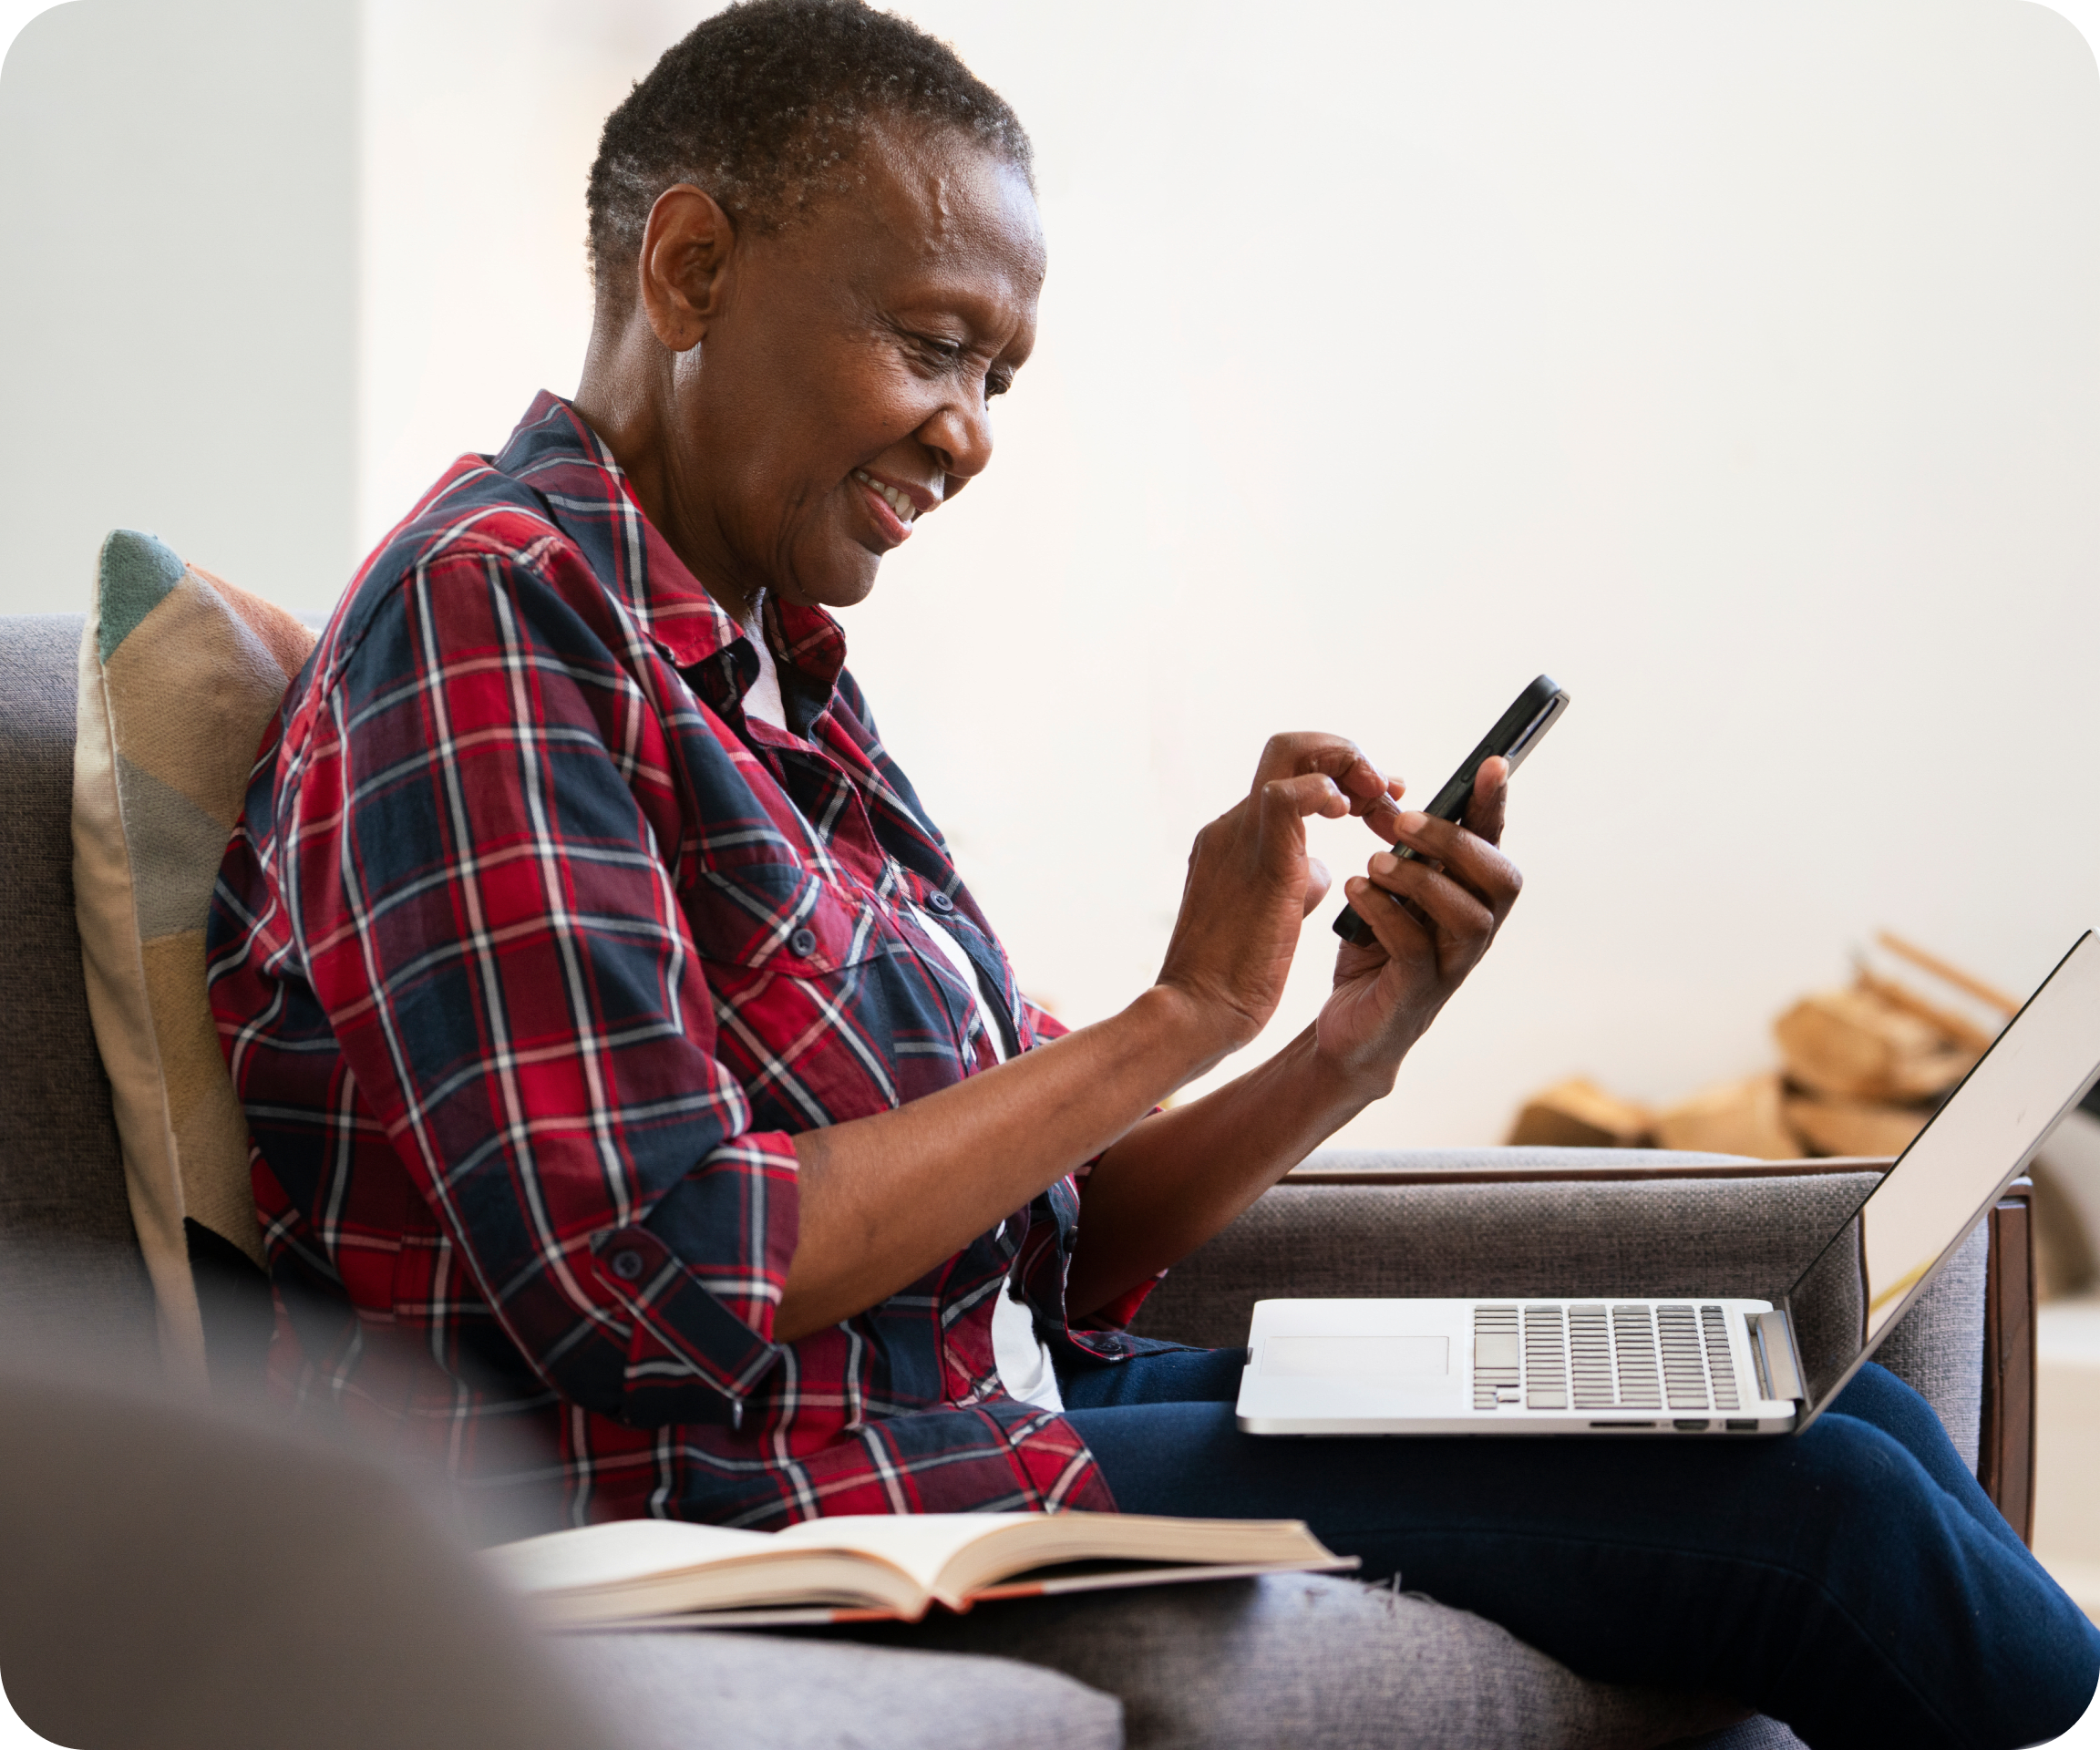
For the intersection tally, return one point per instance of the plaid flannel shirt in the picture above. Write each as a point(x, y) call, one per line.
point(530, 954)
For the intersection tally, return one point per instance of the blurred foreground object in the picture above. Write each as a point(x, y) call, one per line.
point(183, 1572)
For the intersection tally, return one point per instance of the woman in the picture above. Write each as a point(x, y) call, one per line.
point(611, 1021)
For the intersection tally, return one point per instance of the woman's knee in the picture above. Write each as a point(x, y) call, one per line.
point(1891, 1403)
point(1861, 1513)
point(1854, 1470)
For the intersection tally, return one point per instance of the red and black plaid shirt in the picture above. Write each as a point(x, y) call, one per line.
point(530, 954)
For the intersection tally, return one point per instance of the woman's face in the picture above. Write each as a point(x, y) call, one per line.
point(840, 390)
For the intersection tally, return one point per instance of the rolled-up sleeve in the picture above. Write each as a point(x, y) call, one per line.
point(480, 874)
point(1046, 1258)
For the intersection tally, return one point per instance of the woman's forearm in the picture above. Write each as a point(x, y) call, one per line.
point(1176, 1179)
point(883, 1199)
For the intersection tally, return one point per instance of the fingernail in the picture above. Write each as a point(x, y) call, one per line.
point(1410, 821)
point(1355, 887)
point(1385, 863)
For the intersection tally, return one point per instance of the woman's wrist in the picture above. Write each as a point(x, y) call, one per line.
point(1327, 1081)
point(1185, 1035)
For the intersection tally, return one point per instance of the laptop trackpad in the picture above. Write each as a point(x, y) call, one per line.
point(1365, 1361)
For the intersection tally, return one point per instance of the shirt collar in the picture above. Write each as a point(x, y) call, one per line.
point(555, 452)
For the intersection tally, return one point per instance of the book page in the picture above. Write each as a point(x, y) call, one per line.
point(617, 1552)
point(891, 1562)
point(1042, 1541)
point(776, 1580)
point(952, 1555)
point(922, 1544)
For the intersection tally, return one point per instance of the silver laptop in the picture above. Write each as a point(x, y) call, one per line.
point(1715, 1365)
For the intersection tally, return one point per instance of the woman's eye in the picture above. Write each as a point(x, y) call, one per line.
point(942, 352)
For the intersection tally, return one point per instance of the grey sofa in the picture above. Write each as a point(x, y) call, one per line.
point(183, 1572)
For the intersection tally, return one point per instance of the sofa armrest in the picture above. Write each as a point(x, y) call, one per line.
point(1577, 1223)
point(2005, 1466)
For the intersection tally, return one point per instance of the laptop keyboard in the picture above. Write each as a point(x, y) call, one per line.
point(1595, 1355)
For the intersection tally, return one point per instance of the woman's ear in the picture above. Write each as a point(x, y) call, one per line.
point(682, 269)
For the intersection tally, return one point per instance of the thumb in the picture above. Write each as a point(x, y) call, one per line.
point(1317, 881)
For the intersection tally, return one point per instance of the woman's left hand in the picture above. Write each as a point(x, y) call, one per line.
point(1457, 888)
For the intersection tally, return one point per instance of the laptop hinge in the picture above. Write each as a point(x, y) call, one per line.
point(1772, 1348)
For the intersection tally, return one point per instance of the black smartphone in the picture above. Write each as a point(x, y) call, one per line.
point(1520, 729)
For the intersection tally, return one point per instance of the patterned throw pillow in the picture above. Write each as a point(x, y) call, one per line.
point(180, 674)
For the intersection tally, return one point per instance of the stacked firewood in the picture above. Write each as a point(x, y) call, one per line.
point(1860, 1071)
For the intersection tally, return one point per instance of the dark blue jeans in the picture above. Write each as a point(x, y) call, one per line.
point(1853, 1581)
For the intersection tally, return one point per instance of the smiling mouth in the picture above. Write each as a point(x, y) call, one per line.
point(900, 502)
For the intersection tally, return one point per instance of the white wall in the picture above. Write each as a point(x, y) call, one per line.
point(1737, 363)
point(178, 322)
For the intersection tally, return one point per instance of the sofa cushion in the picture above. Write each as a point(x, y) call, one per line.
point(754, 1692)
point(179, 674)
point(1313, 1659)
point(62, 1203)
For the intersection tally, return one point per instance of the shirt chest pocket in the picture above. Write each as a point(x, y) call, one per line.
point(779, 918)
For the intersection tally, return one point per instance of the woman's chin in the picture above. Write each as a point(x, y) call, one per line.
point(846, 580)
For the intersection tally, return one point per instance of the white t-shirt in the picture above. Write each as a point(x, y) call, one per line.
point(1021, 1357)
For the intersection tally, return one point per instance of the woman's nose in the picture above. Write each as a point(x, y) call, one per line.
point(960, 437)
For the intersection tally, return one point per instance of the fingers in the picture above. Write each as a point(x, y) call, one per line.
point(1297, 797)
point(1489, 802)
point(1284, 802)
point(1455, 913)
point(1317, 881)
point(1381, 812)
point(1382, 815)
point(1404, 933)
point(1453, 893)
point(1466, 857)
point(1436, 922)
point(1299, 752)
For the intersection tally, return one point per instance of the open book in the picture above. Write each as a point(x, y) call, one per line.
point(867, 1566)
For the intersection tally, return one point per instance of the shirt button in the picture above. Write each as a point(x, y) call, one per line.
point(802, 943)
point(627, 1266)
point(940, 902)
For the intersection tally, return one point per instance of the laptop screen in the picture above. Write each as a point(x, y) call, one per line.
point(1883, 1258)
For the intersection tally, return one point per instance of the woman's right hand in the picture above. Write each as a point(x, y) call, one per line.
point(884, 1199)
point(1252, 882)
